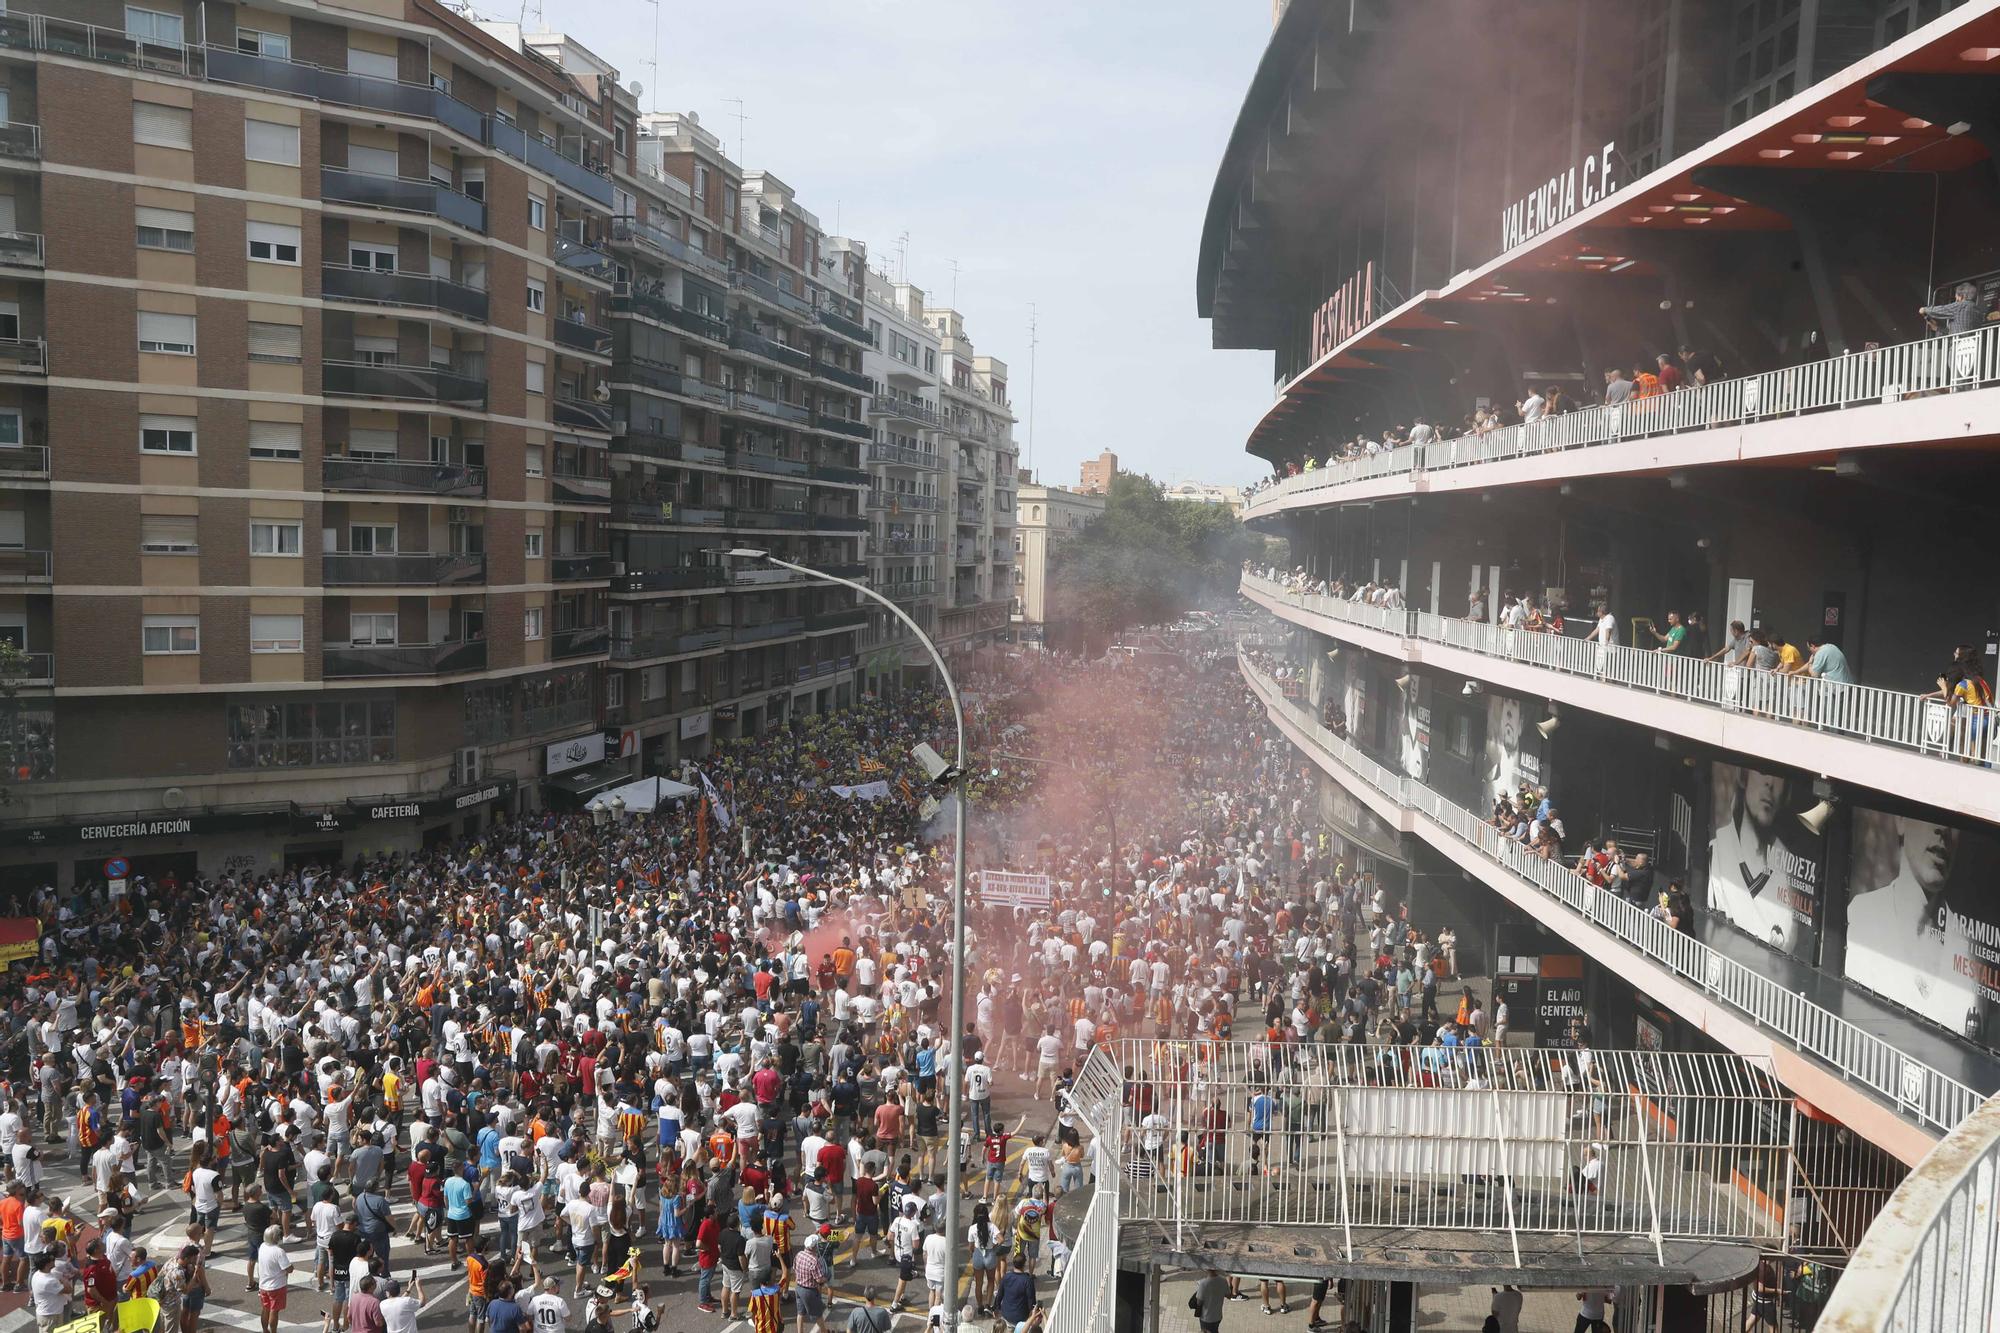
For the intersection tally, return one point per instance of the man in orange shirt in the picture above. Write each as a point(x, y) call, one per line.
point(13, 1240)
point(843, 961)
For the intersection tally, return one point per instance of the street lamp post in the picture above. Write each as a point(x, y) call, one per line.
point(955, 1122)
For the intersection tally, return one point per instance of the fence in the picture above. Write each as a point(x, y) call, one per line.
point(1931, 1098)
point(1881, 375)
point(1931, 1260)
point(1959, 732)
point(1086, 1302)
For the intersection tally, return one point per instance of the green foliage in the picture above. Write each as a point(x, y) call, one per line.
point(1145, 561)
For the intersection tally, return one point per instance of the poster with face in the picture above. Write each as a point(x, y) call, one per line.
point(1416, 746)
point(1919, 930)
point(1763, 864)
point(1513, 752)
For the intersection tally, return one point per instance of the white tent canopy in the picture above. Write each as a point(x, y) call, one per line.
point(640, 797)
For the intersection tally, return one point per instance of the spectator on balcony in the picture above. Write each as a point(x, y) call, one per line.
point(1422, 432)
point(1827, 662)
point(1637, 884)
point(1532, 408)
point(1702, 367)
point(1735, 647)
point(1958, 315)
point(1675, 639)
point(1645, 384)
point(1604, 634)
point(1696, 643)
point(1616, 387)
point(1670, 374)
point(1558, 401)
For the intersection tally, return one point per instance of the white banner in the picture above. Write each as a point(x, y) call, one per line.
point(724, 816)
point(877, 790)
point(575, 753)
point(1007, 888)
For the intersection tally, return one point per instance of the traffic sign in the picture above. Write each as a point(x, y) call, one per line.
point(117, 868)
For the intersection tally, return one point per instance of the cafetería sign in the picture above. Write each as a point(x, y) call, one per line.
point(1557, 199)
point(1348, 311)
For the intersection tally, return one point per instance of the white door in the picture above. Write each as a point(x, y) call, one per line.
point(1742, 601)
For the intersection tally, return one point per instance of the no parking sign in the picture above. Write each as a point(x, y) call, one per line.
point(117, 868)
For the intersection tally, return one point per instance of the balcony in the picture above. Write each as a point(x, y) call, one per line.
point(842, 426)
point(903, 502)
point(20, 565)
point(418, 291)
point(901, 455)
point(340, 87)
point(852, 379)
point(847, 617)
point(548, 717)
point(24, 462)
point(632, 231)
point(573, 175)
point(579, 488)
point(906, 546)
point(19, 142)
point(423, 384)
point(402, 195)
point(400, 568)
point(24, 356)
point(777, 409)
point(21, 249)
point(842, 325)
point(389, 476)
point(578, 336)
point(37, 670)
point(782, 628)
point(665, 513)
point(577, 414)
point(910, 591)
point(580, 566)
point(836, 475)
point(768, 291)
point(747, 460)
point(971, 552)
point(350, 661)
point(580, 641)
point(648, 444)
point(577, 257)
point(899, 408)
point(626, 300)
point(666, 643)
point(685, 579)
point(756, 344)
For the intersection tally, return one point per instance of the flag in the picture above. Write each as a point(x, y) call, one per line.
point(868, 765)
point(822, 762)
point(723, 817)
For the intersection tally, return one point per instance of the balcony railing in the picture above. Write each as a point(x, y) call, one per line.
point(904, 409)
point(794, 520)
point(581, 337)
point(85, 41)
point(579, 488)
point(666, 643)
point(842, 325)
point(744, 401)
point(547, 717)
point(23, 462)
point(908, 592)
point(578, 414)
point(768, 291)
point(625, 300)
point(21, 249)
point(781, 628)
point(580, 566)
point(374, 379)
point(565, 170)
point(397, 477)
point(24, 356)
point(588, 260)
point(340, 87)
point(1959, 733)
point(899, 501)
point(1863, 1058)
point(854, 430)
point(412, 568)
point(21, 142)
point(902, 455)
point(338, 282)
point(20, 565)
point(748, 460)
point(852, 379)
point(631, 230)
point(36, 669)
point(666, 513)
point(847, 617)
point(580, 641)
point(839, 475)
point(681, 579)
point(346, 661)
point(1858, 379)
point(748, 340)
point(906, 546)
point(402, 194)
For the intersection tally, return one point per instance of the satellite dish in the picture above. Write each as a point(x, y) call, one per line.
point(173, 798)
point(638, 88)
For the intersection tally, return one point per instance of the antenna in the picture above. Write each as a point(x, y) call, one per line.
point(1033, 339)
point(954, 282)
point(902, 255)
point(737, 102)
point(654, 63)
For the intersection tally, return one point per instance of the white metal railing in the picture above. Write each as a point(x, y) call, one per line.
point(1086, 1301)
point(1958, 732)
point(1931, 1258)
point(1931, 1098)
point(1881, 375)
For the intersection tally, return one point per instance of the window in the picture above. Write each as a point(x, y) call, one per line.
point(168, 534)
point(162, 126)
point(652, 684)
point(378, 258)
point(930, 360)
point(274, 243)
point(296, 735)
point(165, 229)
point(700, 181)
point(169, 334)
point(374, 64)
point(472, 183)
point(271, 45)
point(275, 439)
point(534, 456)
point(538, 296)
point(368, 160)
point(538, 213)
point(10, 427)
point(151, 25)
point(614, 690)
point(531, 622)
point(371, 538)
point(166, 435)
point(280, 343)
point(377, 628)
point(168, 636)
point(277, 634)
point(875, 332)
point(618, 140)
point(265, 141)
point(371, 351)
point(537, 377)
point(534, 543)
point(275, 538)
point(370, 443)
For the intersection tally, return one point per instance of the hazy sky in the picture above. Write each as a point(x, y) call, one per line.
point(1061, 152)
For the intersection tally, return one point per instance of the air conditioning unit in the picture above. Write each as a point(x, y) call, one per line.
point(465, 768)
point(458, 513)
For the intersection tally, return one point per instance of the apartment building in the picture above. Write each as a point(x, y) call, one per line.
point(304, 428)
point(1044, 518)
point(978, 441)
point(736, 398)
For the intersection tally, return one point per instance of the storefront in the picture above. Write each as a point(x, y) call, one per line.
point(392, 823)
point(576, 769)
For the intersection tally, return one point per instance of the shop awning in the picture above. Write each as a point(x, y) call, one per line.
point(646, 794)
point(589, 779)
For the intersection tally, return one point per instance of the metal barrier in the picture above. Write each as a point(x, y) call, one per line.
point(1087, 1300)
point(1932, 1099)
point(1959, 732)
point(1881, 375)
point(1931, 1259)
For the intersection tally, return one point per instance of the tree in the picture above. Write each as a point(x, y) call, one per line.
point(1146, 560)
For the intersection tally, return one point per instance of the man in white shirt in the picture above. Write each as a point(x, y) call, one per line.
point(979, 1095)
point(400, 1305)
point(274, 1278)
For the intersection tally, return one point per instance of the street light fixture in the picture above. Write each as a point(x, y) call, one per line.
point(940, 775)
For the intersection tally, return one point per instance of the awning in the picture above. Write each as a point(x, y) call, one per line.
point(590, 778)
point(644, 795)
